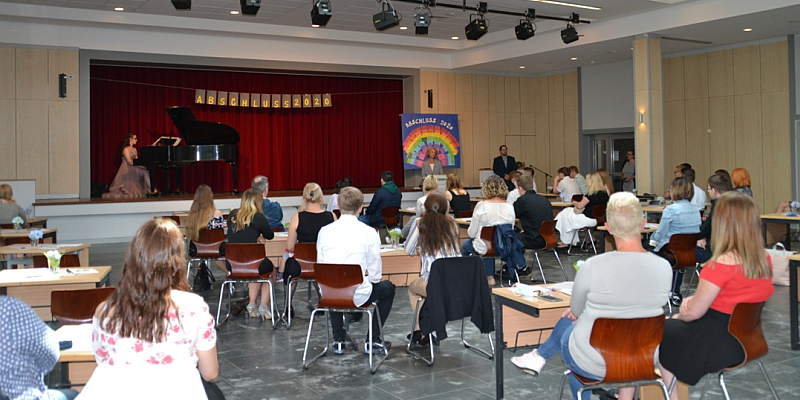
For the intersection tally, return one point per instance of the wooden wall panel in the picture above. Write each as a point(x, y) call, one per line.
point(556, 92)
point(63, 62)
point(571, 91)
point(695, 69)
point(469, 169)
point(527, 102)
point(64, 164)
point(527, 145)
point(541, 89)
point(698, 145)
point(777, 148)
point(674, 138)
point(557, 140)
point(673, 78)
point(31, 70)
point(749, 144)
point(8, 134)
point(512, 95)
point(484, 153)
point(497, 96)
point(774, 67)
point(542, 140)
point(480, 93)
point(446, 92)
point(571, 137)
point(528, 124)
point(497, 130)
point(32, 139)
point(427, 81)
point(8, 74)
point(720, 73)
point(514, 148)
point(512, 124)
point(723, 137)
point(746, 70)
point(463, 83)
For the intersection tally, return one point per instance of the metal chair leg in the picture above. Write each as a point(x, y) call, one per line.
point(308, 340)
point(541, 271)
point(691, 279)
point(271, 304)
point(562, 265)
point(561, 386)
point(590, 235)
point(724, 388)
point(219, 305)
point(769, 382)
point(288, 297)
point(703, 391)
point(477, 349)
point(373, 367)
point(416, 356)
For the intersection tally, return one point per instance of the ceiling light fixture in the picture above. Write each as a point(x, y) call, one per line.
point(403, 28)
point(521, 67)
point(570, 34)
point(321, 13)
point(421, 23)
point(573, 58)
point(181, 5)
point(566, 4)
point(478, 24)
point(526, 28)
point(748, 29)
point(387, 18)
point(250, 7)
point(234, 12)
point(119, 9)
point(454, 37)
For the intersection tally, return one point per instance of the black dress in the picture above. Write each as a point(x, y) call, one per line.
point(595, 199)
point(259, 226)
point(308, 226)
point(459, 203)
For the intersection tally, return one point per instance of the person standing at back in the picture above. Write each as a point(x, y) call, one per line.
point(271, 209)
point(503, 165)
point(388, 195)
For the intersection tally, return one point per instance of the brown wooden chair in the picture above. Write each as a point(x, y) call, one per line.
point(245, 259)
point(17, 240)
point(67, 261)
point(75, 307)
point(207, 244)
point(548, 232)
point(681, 251)
point(487, 236)
point(599, 214)
point(6, 226)
point(338, 213)
point(629, 358)
point(338, 283)
point(306, 255)
point(745, 326)
point(278, 229)
point(465, 214)
point(390, 216)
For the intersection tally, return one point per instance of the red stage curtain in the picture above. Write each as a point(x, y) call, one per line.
point(359, 136)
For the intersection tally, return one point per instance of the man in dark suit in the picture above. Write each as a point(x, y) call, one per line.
point(388, 195)
point(531, 209)
point(503, 164)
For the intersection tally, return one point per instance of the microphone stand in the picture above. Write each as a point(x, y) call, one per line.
point(546, 175)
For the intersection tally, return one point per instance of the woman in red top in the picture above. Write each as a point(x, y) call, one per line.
point(696, 341)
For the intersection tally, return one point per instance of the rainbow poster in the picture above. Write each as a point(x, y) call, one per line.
point(424, 131)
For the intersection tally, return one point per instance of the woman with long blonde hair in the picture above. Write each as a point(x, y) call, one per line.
point(304, 228)
point(203, 214)
point(572, 219)
point(609, 184)
point(696, 341)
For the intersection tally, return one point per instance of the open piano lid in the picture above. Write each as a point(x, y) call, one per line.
point(201, 132)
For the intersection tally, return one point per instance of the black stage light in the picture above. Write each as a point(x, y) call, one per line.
point(182, 4)
point(569, 35)
point(421, 23)
point(476, 28)
point(250, 7)
point(524, 30)
point(321, 13)
point(385, 19)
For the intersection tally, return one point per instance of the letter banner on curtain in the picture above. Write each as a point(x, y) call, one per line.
point(424, 131)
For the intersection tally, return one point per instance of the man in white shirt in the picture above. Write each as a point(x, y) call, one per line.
point(529, 171)
point(699, 198)
point(564, 185)
point(348, 241)
point(514, 194)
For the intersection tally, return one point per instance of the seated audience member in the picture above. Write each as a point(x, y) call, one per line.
point(203, 214)
point(514, 194)
point(304, 228)
point(532, 210)
point(247, 224)
point(30, 350)
point(564, 185)
point(388, 195)
point(678, 217)
point(699, 197)
point(575, 174)
point(347, 241)
point(696, 341)
point(784, 207)
point(271, 209)
point(152, 338)
point(572, 219)
point(717, 185)
point(627, 283)
point(429, 185)
point(741, 181)
point(492, 211)
point(9, 209)
point(608, 183)
point(456, 195)
point(678, 174)
point(725, 173)
point(333, 203)
point(432, 165)
point(530, 172)
point(433, 236)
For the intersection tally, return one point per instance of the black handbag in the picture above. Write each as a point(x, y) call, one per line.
point(203, 279)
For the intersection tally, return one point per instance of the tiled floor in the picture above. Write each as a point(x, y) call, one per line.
point(257, 362)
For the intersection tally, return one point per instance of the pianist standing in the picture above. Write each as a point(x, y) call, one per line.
point(131, 180)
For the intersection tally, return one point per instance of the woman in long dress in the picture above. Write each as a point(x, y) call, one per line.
point(131, 180)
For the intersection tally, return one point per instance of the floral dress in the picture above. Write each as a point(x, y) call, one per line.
point(136, 369)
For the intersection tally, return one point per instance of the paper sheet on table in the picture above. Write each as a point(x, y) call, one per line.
point(651, 226)
point(76, 271)
point(80, 335)
point(563, 287)
point(281, 234)
point(29, 273)
point(466, 219)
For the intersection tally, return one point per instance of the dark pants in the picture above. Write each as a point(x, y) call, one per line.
point(383, 296)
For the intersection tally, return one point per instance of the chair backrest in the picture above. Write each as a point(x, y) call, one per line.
point(745, 326)
point(67, 261)
point(306, 256)
point(389, 214)
point(654, 203)
point(245, 259)
point(75, 307)
point(576, 197)
point(487, 235)
point(465, 214)
point(337, 284)
point(681, 248)
point(548, 232)
point(208, 242)
point(6, 226)
point(338, 213)
point(599, 214)
point(628, 357)
point(16, 240)
point(278, 229)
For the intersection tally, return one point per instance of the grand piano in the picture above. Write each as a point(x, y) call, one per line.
point(206, 141)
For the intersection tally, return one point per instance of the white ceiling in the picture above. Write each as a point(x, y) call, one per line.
point(608, 38)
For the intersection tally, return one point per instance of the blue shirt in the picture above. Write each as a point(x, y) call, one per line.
point(679, 217)
point(29, 350)
point(274, 213)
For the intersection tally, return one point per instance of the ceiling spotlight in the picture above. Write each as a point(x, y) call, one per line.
point(526, 28)
point(250, 7)
point(573, 58)
point(403, 28)
point(748, 29)
point(182, 4)
point(119, 9)
point(454, 37)
point(521, 67)
point(421, 23)
point(387, 18)
point(478, 25)
point(321, 13)
point(234, 12)
point(569, 35)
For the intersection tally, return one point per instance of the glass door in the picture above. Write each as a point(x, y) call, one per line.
point(609, 153)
